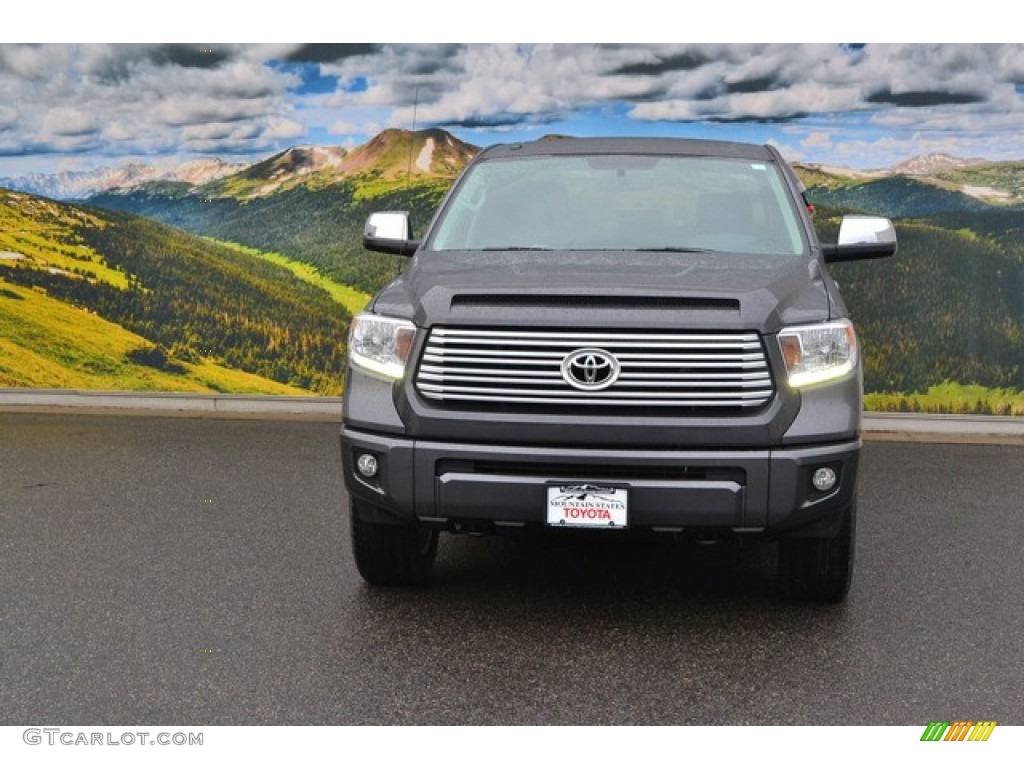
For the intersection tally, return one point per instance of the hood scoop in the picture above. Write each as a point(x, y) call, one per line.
point(476, 302)
point(599, 310)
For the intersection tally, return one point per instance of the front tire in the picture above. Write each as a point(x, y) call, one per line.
point(391, 555)
point(819, 568)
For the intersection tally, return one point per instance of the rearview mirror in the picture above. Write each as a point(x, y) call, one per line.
point(862, 237)
point(389, 232)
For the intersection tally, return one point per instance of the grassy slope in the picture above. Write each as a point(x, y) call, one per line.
point(814, 177)
point(85, 296)
point(950, 397)
point(352, 299)
point(893, 196)
point(1006, 177)
point(46, 343)
point(43, 233)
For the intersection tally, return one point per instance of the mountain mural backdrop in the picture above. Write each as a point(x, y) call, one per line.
point(220, 277)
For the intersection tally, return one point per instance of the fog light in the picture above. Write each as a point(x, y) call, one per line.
point(367, 465)
point(824, 478)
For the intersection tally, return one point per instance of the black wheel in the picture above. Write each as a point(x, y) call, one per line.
point(819, 568)
point(391, 555)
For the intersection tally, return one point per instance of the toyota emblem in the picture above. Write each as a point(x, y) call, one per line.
point(590, 369)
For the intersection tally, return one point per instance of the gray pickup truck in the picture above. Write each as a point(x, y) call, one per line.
point(612, 335)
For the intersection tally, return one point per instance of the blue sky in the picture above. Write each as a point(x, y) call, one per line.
point(79, 106)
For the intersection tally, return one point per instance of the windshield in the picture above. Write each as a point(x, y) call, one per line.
point(621, 202)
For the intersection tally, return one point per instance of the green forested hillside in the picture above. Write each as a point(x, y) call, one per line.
point(893, 196)
point(310, 203)
point(948, 307)
point(945, 316)
point(49, 344)
point(352, 299)
point(320, 226)
point(191, 301)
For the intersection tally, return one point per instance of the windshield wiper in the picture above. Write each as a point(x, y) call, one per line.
point(665, 249)
point(660, 249)
point(676, 249)
point(515, 248)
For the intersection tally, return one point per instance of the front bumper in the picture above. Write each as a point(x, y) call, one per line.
point(443, 483)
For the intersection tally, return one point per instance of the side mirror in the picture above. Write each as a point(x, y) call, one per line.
point(389, 232)
point(862, 237)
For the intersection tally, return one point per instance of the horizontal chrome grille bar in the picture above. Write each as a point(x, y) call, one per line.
point(734, 361)
point(684, 370)
point(443, 334)
point(689, 403)
point(607, 342)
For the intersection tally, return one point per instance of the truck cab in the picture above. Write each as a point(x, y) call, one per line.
point(611, 335)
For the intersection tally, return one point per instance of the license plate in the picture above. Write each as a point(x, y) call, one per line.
point(584, 505)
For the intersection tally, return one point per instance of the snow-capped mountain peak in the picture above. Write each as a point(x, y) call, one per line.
point(78, 185)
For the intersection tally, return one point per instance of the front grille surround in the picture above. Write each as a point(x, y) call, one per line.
point(692, 371)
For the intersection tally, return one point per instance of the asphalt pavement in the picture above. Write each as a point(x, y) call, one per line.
point(198, 571)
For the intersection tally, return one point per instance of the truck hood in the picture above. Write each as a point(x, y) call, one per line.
point(608, 289)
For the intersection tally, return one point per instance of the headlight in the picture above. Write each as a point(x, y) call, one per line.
point(817, 353)
point(380, 344)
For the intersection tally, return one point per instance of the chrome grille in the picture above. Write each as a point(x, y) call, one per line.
point(681, 370)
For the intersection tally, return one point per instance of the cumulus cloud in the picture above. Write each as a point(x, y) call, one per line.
point(498, 84)
point(117, 131)
point(816, 140)
point(959, 92)
point(276, 127)
point(130, 99)
point(346, 127)
point(248, 99)
point(8, 117)
point(486, 85)
point(69, 121)
point(329, 53)
point(32, 62)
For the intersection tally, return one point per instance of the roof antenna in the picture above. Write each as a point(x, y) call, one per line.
point(396, 261)
point(412, 137)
